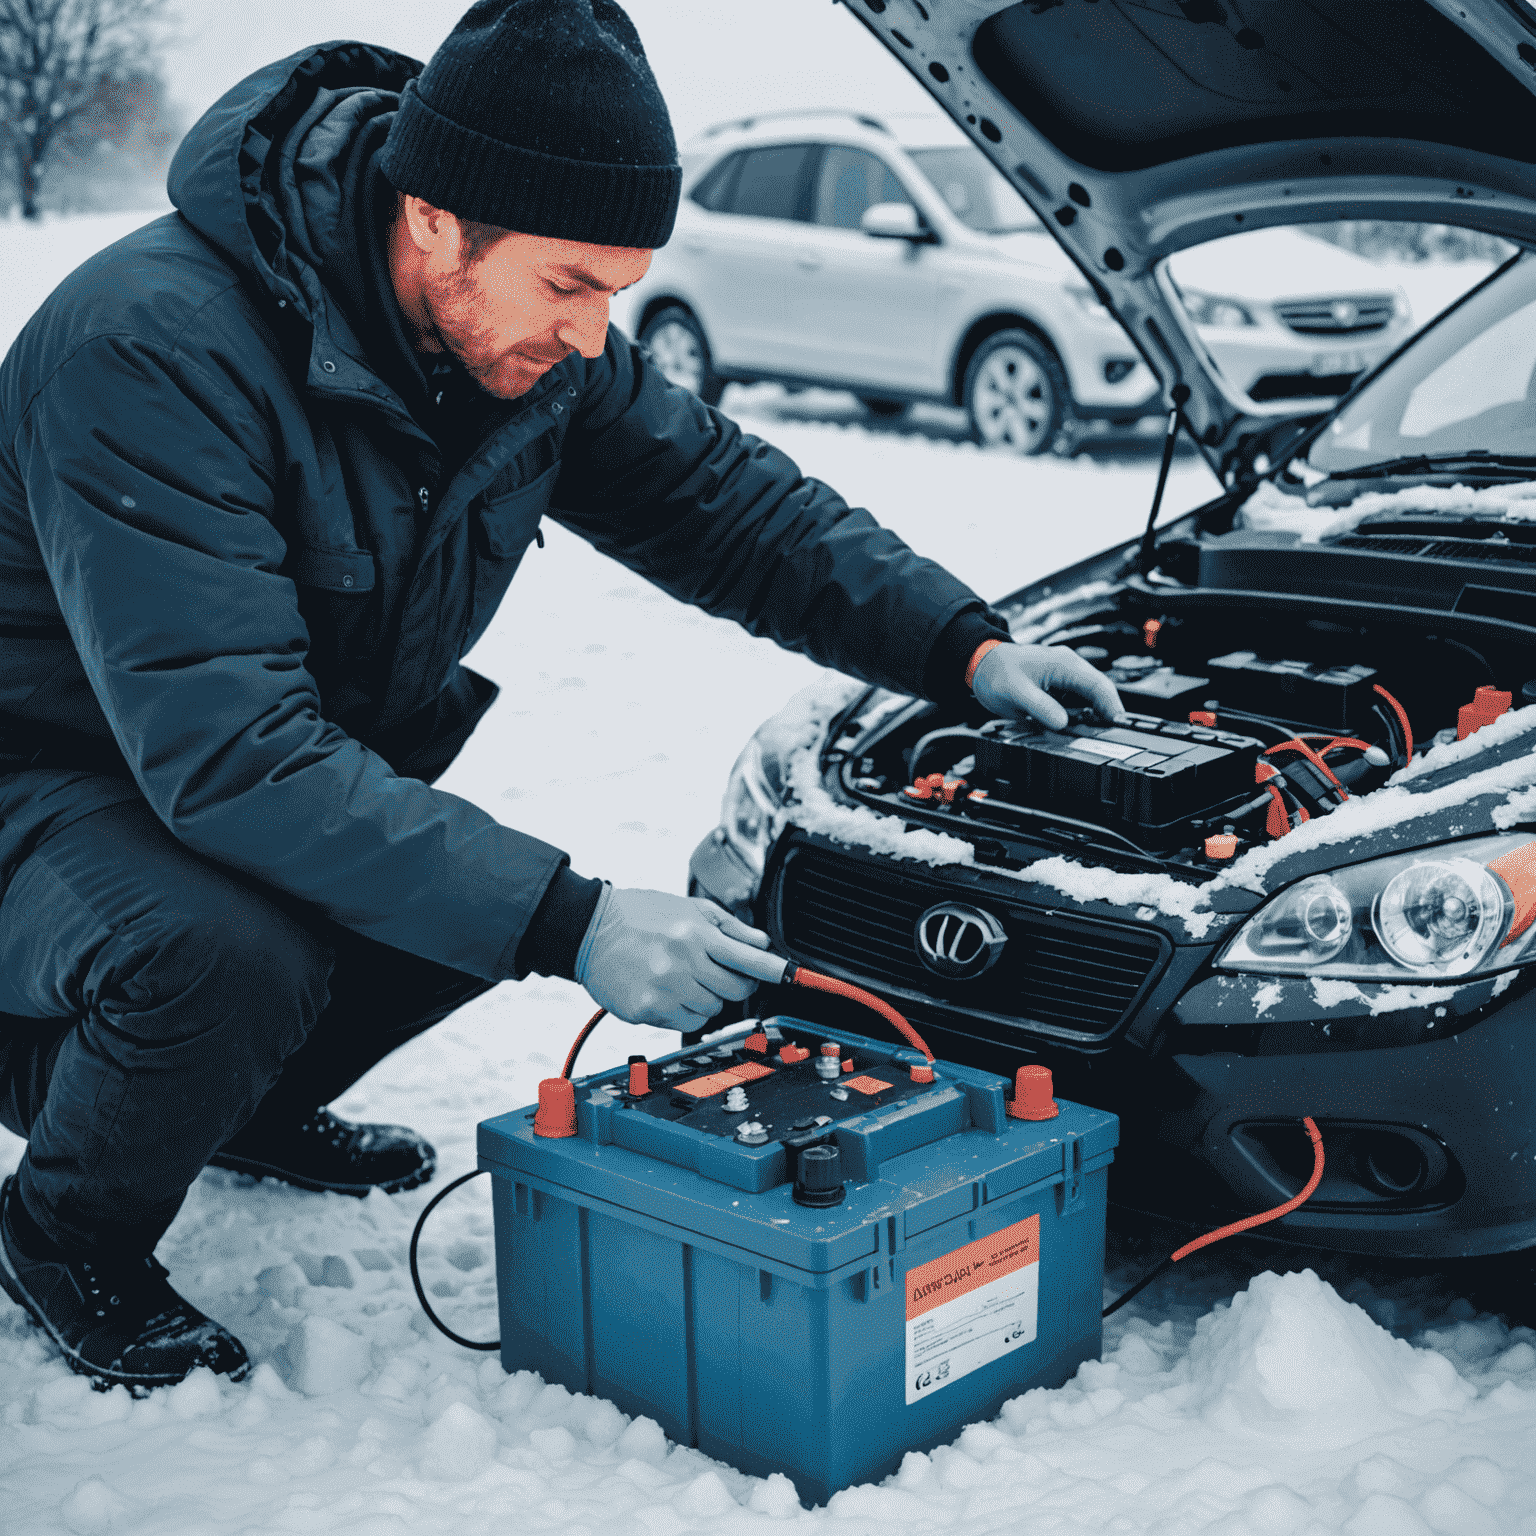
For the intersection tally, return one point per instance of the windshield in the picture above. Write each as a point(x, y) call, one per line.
point(1468, 385)
point(975, 191)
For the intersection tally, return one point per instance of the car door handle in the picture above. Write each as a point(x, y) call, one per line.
point(697, 247)
point(809, 260)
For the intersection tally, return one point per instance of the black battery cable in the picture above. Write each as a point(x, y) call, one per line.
point(464, 1178)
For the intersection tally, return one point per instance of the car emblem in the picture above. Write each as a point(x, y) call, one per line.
point(1344, 313)
point(959, 941)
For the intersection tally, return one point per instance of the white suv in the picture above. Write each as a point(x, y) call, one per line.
point(888, 257)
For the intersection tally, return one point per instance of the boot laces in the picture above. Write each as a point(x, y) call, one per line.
point(107, 1287)
point(327, 1126)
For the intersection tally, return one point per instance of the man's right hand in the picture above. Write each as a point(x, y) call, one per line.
point(654, 958)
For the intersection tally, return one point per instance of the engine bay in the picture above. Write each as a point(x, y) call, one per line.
point(1239, 727)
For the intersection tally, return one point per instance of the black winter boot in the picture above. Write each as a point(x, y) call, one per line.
point(116, 1319)
point(325, 1152)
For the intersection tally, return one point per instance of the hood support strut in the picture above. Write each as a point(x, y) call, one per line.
point(1180, 394)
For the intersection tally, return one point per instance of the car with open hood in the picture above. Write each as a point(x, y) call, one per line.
point(1298, 877)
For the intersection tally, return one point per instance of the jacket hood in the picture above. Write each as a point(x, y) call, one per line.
point(269, 174)
point(1138, 128)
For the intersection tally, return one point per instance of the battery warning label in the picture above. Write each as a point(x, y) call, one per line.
point(971, 1307)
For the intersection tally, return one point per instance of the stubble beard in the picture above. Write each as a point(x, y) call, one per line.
point(453, 306)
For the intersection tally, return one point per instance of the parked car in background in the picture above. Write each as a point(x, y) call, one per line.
point(1288, 316)
point(887, 256)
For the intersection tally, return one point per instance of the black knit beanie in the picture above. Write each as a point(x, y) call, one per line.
point(541, 116)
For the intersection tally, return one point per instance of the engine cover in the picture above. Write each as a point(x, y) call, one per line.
point(1141, 772)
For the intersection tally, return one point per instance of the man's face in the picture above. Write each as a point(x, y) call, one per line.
point(511, 315)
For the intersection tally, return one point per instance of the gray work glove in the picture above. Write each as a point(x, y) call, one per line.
point(1011, 682)
point(653, 958)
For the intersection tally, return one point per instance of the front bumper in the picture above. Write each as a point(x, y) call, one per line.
point(1428, 1112)
point(1268, 360)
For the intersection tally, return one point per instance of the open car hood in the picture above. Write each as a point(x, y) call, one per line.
point(1138, 128)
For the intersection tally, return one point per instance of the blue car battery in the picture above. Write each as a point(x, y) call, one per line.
point(795, 1255)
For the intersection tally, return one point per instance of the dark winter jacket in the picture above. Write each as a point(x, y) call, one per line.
point(239, 563)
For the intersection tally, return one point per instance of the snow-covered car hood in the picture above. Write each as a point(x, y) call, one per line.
point(1138, 128)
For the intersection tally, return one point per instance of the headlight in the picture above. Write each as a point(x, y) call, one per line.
point(1213, 309)
point(1457, 910)
point(753, 793)
point(1087, 300)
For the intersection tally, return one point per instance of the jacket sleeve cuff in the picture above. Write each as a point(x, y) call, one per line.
point(944, 673)
point(559, 924)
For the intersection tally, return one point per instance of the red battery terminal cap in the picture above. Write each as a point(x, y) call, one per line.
point(1205, 717)
point(926, 787)
point(556, 1114)
point(793, 1053)
point(847, 1063)
point(922, 1074)
point(1032, 1095)
point(1221, 846)
point(757, 1043)
point(639, 1077)
point(1486, 707)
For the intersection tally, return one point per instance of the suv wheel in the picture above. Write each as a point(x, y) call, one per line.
point(675, 342)
point(886, 410)
point(1015, 393)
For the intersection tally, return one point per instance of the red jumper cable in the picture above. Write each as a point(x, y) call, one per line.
point(1233, 1228)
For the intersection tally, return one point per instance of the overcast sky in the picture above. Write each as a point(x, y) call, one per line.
point(714, 59)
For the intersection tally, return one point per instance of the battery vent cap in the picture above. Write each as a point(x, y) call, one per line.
point(819, 1177)
point(1032, 1095)
point(556, 1114)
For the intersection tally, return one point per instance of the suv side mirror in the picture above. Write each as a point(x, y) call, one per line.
point(894, 221)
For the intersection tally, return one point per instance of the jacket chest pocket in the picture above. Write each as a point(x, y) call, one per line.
point(503, 530)
point(336, 599)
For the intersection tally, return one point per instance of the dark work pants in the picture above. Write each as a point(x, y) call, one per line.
point(151, 999)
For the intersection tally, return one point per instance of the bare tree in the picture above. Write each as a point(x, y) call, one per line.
point(55, 58)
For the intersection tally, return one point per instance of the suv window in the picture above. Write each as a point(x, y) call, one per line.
point(715, 187)
point(852, 180)
point(768, 184)
point(975, 190)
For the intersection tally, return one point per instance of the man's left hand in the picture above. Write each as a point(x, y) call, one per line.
point(1012, 680)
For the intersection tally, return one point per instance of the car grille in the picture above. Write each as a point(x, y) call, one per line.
point(1071, 975)
point(1484, 551)
point(1355, 315)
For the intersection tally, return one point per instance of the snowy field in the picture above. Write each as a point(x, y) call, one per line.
point(1229, 1399)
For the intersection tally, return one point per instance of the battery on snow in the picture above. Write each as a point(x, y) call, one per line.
point(797, 1257)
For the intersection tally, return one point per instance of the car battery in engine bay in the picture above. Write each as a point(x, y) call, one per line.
point(1140, 772)
point(800, 1250)
point(1332, 698)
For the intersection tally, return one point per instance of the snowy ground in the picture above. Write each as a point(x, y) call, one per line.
point(1228, 1399)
